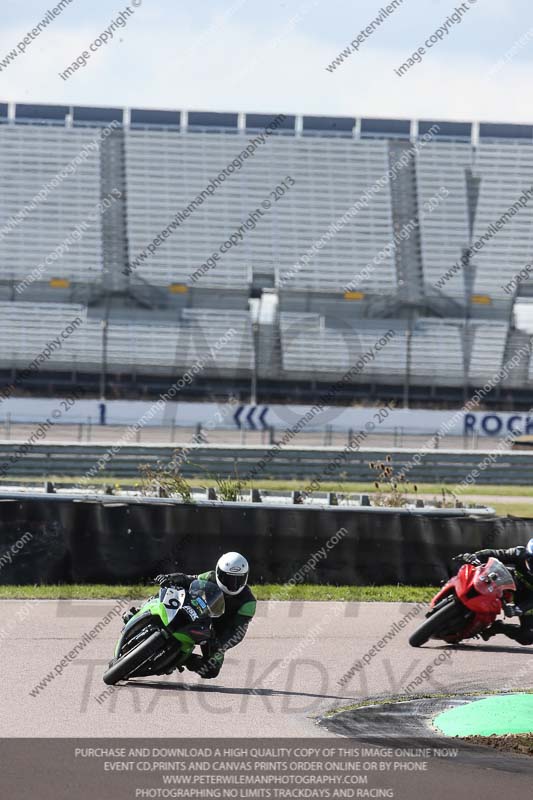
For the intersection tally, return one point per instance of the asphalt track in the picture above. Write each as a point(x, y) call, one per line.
point(295, 666)
point(286, 673)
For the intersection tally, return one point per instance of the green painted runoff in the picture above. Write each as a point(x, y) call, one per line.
point(501, 714)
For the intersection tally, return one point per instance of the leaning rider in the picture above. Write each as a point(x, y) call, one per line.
point(521, 559)
point(231, 575)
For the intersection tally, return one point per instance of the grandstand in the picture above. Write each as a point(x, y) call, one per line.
point(363, 241)
point(30, 157)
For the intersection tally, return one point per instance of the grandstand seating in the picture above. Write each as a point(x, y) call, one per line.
point(164, 348)
point(31, 157)
point(437, 352)
point(444, 232)
point(436, 349)
point(333, 175)
point(161, 320)
point(165, 171)
point(487, 350)
point(310, 345)
point(505, 169)
point(27, 328)
point(199, 336)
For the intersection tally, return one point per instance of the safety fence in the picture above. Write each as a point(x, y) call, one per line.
point(325, 463)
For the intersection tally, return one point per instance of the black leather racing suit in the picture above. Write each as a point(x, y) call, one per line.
point(516, 557)
point(229, 629)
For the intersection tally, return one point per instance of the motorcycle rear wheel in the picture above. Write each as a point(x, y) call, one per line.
point(444, 621)
point(134, 659)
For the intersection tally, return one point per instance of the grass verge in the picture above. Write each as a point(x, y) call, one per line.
point(367, 594)
point(515, 509)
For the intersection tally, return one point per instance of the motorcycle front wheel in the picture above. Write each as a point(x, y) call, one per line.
point(133, 659)
point(446, 620)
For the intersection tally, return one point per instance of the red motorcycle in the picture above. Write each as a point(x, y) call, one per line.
point(467, 604)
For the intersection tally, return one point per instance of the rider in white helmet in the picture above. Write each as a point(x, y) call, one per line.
point(231, 575)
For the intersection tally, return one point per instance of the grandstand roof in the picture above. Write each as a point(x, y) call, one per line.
point(194, 120)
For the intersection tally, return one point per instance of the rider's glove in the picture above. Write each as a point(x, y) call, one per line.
point(468, 558)
point(164, 580)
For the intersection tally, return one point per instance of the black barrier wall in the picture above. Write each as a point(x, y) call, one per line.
point(71, 541)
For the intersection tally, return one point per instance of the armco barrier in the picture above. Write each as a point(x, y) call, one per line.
point(436, 466)
point(125, 540)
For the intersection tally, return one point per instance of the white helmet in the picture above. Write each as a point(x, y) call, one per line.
point(232, 573)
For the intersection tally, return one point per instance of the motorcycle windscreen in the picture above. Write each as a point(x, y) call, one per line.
point(207, 598)
point(493, 575)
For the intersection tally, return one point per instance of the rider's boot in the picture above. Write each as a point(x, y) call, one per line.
point(194, 663)
point(493, 630)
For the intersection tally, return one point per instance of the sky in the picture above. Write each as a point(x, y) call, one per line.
point(250, 55)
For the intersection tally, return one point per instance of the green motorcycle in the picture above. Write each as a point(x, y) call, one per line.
point(162, 635)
